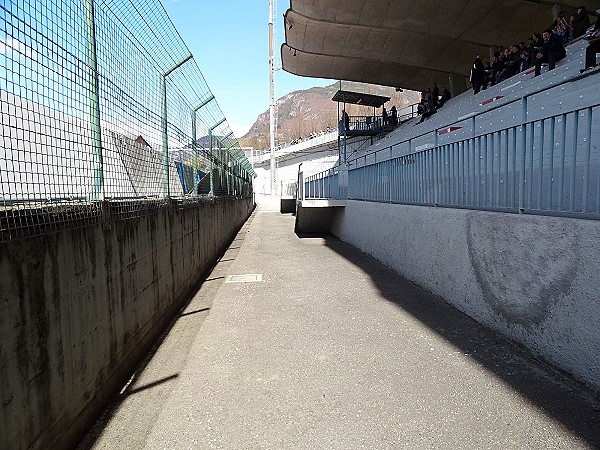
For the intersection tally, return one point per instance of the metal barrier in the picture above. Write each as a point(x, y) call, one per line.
point(544, 166)
point(102, 100)
point(322, 185)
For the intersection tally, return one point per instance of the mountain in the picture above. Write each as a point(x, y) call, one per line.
point(301, 113)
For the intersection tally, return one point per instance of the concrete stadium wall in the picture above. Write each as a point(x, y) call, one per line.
point(532, 278)
point(79, 308)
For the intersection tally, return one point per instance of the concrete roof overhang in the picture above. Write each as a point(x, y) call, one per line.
point(406, 43)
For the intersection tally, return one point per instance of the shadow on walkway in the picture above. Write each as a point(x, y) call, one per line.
point(545, 387)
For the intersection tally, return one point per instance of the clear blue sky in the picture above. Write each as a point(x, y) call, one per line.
point(230, 42)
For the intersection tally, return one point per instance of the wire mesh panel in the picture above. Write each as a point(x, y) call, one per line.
point(101, 100)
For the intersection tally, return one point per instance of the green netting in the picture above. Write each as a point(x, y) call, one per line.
point(102, 100)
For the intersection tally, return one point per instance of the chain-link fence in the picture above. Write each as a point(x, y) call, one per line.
point(101, 100)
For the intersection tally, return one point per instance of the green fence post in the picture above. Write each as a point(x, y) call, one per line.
point(165, 136)
point(94, 89)
point(210, 130)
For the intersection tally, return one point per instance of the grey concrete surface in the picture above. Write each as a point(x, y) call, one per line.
point(80, 307)
point(334, 350)
point(532, 278)
point(391, 43)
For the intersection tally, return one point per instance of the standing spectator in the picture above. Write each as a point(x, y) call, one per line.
point(487, 78)
point(581, 22)
point(429, 99)
point(561, 27)
point(513, 62)
point(384, 116)
point(394, 112)
point(436, 94)
point(552, 52)
point(477, 74)
point(497, 67)
point(346, 120)
point(593, 46)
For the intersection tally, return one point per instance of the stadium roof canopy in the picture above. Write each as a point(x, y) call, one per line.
point(358, 98)
point(406, 43)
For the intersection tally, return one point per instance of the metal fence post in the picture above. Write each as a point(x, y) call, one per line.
point(165, 136)
point(94, 89)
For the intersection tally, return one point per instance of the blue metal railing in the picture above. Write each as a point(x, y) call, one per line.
point(322, 185)
point(546, 166)
point(542, 166)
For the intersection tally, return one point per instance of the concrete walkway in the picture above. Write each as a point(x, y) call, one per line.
point(332, 350)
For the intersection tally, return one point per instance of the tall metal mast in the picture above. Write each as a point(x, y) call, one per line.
point(272, 97)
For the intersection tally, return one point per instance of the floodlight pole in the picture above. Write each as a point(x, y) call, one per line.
point(272, 97)
point(165, 136)
point(94, 89)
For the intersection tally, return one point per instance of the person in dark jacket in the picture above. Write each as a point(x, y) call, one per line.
point(593, 46)
point(477, 74)
point(436, 95)
point(552, 51)
point(445, 96)
point(580, 22)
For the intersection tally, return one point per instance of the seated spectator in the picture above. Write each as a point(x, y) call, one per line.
point(428, 106)
point(593, 46)
point(571, 23)
point(536, 47)
point(426, 113)
point(445, 96)
point(524, 57)
point(581, 22)
point(552, 52)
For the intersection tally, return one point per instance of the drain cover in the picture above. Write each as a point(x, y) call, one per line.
point(247, 278)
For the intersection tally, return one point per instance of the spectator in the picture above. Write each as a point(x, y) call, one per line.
point(571, 23)
point(513, 62)
point(445, 96)
point(561, 27)
point(428, 110)
point(593, 46)
point(523, 57)
point(429, 99)
point(552, 52)
point(384, 116)
point(581, 22)
point(497, 68)
point(477, 74)
point(487, 78)
point(436, 94)
point(394, 112)
point(346, 120)
point(536, 47)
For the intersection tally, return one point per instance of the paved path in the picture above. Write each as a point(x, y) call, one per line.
point(332, 350)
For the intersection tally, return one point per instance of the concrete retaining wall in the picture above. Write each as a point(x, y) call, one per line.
point(79, 308)
point(534, 279)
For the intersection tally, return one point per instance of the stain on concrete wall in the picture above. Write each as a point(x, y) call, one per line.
point(522, 278)
point(79, 308)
